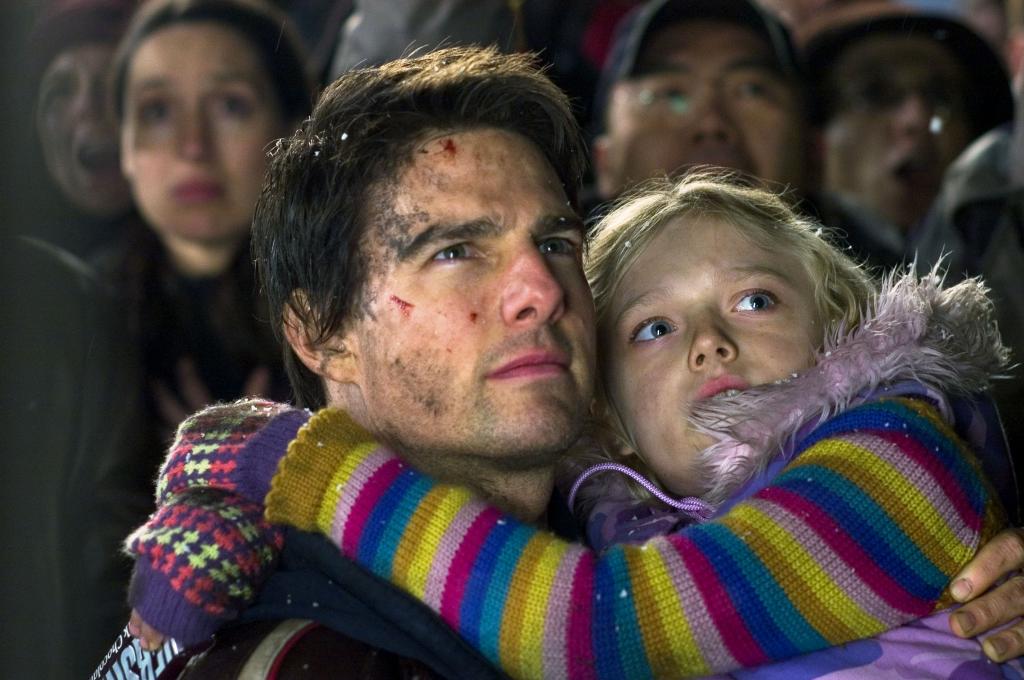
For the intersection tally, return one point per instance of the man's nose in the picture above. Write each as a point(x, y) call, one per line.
point(712, 120)
point(90, 100)
point(711, 346)
point(532, 294)
point(913, 113)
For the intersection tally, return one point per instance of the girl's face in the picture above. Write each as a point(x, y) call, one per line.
point(701, 311)
point(199, 113)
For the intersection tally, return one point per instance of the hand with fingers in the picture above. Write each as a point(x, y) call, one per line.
point(149, 637)
point(986, 610)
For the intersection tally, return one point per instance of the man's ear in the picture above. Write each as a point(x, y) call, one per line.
point(333, 359)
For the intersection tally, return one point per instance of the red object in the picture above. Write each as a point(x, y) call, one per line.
point(597, 38)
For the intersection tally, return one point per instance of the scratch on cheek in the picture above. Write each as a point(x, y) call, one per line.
point(449, 147)
point(403, 306)
point(472, 317)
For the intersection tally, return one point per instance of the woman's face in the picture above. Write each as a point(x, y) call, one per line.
point(199, 112)
point(78, 133)
point(702, 311)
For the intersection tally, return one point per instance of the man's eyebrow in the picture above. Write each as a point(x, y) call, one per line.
point(759, 63)
point(659, 68)
point(550, 224)
point(440, 233)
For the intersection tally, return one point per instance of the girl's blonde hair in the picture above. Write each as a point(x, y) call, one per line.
point(842, 287)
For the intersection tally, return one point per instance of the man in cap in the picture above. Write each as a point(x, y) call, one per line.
point(714, 82)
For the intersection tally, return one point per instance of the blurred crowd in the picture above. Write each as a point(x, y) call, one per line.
point(130, 298)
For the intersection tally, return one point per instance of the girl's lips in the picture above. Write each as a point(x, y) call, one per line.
point(198, 191)
point(721, 384)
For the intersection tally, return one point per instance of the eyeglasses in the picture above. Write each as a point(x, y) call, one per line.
point(676, 97)
point(880, 94)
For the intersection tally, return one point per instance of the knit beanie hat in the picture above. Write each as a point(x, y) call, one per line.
point(62, 24)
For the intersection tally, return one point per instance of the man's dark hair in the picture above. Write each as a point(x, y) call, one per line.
point(317, 199)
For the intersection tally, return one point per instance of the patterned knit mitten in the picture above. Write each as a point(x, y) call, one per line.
point(200, 559)
point(230, 448)
point(202, 556)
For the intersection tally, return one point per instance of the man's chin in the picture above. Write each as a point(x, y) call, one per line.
point(531, 427)
point(561, 408)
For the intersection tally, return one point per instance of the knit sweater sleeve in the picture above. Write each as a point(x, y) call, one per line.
point(201, 556)
point(860, 533)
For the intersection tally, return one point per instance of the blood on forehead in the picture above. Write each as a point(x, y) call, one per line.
point(444, 145)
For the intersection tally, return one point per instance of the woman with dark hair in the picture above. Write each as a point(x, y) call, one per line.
point(202, 88)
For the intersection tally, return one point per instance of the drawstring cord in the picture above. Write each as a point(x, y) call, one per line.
point(696, 508)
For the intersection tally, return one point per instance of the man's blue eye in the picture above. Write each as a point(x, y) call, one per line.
point(455, 252)
point(557, 246)
point(755, 302)
point(652, 330)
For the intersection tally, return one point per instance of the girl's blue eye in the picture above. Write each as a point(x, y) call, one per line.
point(652, 330)
point(755, 302)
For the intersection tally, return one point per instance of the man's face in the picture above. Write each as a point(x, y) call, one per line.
point(710, 94)
point(897, 121)
point(475, 341)
point(78, 133)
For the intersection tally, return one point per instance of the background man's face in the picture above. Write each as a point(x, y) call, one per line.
point(897, 120)
point(710, 94)
point(78, 133)
point(477, 331)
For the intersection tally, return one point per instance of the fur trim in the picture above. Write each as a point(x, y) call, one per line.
point(914, 329)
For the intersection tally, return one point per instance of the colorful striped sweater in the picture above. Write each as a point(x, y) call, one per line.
point(857, 534)
point(860, 533)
